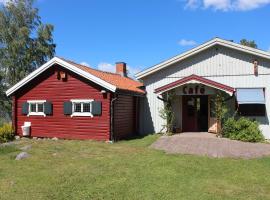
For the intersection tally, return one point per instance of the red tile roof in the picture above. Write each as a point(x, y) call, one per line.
point(121, 83)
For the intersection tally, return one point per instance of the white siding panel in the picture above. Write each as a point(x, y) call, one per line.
point(220, 64)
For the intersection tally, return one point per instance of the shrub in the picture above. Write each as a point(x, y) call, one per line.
point(229, 128)
point(6, 132)
point(242, 129)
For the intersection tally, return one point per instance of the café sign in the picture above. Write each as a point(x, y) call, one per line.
point(194, 89)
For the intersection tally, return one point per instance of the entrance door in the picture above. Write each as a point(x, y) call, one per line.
point(195, 113)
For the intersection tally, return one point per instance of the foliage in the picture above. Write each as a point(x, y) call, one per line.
point(71, 169)
point(25, 43)
point(220, 110)
point(249, 43)
point(6, 133)
point(167, 114)
point(242, 129)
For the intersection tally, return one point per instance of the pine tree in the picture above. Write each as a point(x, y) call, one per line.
point(249, 43)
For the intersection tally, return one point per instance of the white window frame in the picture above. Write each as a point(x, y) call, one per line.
point(36, 113)
point(81, 114)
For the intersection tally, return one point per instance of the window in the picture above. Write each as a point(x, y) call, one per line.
point(252, 109)
point(36, 107)
point(251, 101)
point(82, 107)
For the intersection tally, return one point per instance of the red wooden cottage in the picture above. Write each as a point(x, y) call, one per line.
point(67, 100)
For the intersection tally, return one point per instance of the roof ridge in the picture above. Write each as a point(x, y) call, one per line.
point(98, 70)
point(90, 67)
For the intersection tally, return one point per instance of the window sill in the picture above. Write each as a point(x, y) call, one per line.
point(36, 114)
point(82, 115)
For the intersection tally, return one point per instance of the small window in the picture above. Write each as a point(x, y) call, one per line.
point(36, 107)
point(252, 109)
point(82, 107)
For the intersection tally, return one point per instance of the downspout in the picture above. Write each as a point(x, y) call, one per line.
point(112, 124)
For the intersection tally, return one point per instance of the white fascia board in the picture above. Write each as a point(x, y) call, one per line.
point(209, 44)
point(66, 65)
point(256, 52)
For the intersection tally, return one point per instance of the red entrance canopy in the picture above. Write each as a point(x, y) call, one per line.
point(195, 79)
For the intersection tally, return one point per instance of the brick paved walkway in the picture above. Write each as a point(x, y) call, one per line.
point(207, 144)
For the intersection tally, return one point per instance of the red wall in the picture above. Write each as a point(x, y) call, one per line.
point(125, 116)
point(48, 87)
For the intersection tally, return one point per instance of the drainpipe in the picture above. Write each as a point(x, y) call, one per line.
point(112, 124)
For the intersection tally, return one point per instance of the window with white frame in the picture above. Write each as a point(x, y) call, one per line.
point(36, 107)
point(82, 107)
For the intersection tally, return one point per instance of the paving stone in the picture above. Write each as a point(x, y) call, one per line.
point(210, 145)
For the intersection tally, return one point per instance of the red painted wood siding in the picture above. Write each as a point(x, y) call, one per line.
point(124, 116)
point(48, 87)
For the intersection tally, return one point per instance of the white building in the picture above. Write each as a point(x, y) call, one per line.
point(241, 72)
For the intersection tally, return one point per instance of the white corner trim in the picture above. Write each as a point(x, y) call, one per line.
point(209, 44)
point(66, 65)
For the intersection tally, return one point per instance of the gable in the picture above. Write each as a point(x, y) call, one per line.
point(64, 64)
point(213, 63)
point(48, 84)
point(198, 50)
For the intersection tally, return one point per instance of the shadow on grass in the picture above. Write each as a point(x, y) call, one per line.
point(140, 140)
point(8, 149)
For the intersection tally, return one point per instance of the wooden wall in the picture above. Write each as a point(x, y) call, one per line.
point(220, 64)
point(125, 116)
point(48, 87)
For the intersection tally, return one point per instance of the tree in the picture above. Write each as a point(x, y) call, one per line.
point(167, 114)
point(25, 42)
point(220, 111)
point(248, 43)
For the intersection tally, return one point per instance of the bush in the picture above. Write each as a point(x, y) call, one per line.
point(6, 132)
point(229, 128)
point(242, 129)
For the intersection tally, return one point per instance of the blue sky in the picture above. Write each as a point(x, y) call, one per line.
point(146, 32)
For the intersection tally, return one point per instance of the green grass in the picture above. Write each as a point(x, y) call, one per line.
point(126, 170)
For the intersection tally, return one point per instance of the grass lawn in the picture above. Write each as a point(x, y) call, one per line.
point(126, 170)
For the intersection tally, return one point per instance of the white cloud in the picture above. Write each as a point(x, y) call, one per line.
point(269, 50)
point(85, 64)
point(185, 42)
point(193, 4)
point(251, 4)
point(108, 67)
point(227, 5)
point(217, 4)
